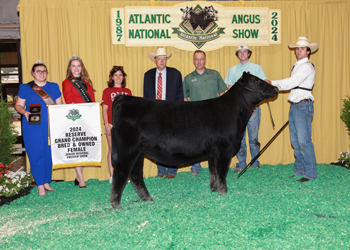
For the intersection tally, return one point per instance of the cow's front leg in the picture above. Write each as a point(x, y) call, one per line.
point(222, 166)
point(137, 181)
point(213, 175)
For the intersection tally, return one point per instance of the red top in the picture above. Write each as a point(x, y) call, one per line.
point(108, 97)
point(71, 94)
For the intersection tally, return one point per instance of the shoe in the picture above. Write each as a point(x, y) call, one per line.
point(160, 176)
point(292, 176)
point(50, 190)
point(303, 180)
point(44, 194)
point(111, 180)
point(237, 170)
point(169, 176)
point(194, 173)
point(76, 182)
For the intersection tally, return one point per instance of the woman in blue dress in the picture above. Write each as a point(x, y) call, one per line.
point(35, 136)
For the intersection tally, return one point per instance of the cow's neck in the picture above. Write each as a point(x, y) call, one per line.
point(239, 93)
point(246, 107)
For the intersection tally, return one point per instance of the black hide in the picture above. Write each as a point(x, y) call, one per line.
point(174, 133)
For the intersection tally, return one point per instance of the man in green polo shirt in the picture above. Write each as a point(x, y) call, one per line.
point(202, 84)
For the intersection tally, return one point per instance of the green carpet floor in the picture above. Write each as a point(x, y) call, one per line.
point(262, 210)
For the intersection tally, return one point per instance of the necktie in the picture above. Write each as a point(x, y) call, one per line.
point(159, 87)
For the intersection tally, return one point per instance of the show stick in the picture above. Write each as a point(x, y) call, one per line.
point(262, 151)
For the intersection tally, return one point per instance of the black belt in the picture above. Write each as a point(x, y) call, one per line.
point(304, 100)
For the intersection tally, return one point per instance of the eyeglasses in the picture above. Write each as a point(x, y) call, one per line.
point(41, 72)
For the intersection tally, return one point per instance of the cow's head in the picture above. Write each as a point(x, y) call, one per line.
point(211, 13)
point(186, 13)
point(258, 86)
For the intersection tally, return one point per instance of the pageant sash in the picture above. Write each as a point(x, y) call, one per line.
point(42, 93)
point(82, 91)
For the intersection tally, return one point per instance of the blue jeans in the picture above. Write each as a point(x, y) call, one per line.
point(254, 145)
point(166, 170)
point(300, 118)
point(196, 167)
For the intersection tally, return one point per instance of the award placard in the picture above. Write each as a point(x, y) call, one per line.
point(75, 133)
point(35, 114)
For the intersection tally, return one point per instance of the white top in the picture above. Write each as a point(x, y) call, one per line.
point(303, 75)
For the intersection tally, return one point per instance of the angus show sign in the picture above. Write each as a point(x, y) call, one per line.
point(195, 25)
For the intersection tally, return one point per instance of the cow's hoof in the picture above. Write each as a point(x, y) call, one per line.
point(116, 205)
point(145, 196)
point(149, 198)
point(221, 192)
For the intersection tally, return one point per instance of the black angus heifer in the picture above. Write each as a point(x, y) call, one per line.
point(175, 133)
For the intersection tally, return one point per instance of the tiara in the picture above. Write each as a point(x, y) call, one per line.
point(39, 62)
point(75, 57)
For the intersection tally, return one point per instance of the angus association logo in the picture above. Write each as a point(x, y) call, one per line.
point(73, 114)
point(199, 25)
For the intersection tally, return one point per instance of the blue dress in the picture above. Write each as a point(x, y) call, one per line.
point(36, 136)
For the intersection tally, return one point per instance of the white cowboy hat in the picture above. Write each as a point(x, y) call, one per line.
point(304, 42)
point(159, 52)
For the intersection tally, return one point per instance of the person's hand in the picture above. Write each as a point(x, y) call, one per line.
point(26, 114)
point(254, 109)
point(108, 129)
point(268, 81)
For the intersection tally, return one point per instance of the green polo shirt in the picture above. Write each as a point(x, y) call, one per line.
point(205, 86)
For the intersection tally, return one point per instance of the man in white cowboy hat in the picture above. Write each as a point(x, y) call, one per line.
point(301, 111)
point(163, 83)
point(202, 84)
point(233, 74)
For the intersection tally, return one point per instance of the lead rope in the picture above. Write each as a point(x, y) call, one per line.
point(268, 104)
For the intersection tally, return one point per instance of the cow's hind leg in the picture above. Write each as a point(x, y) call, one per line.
point(122, 169)
point(137, 181)
point(123, 162)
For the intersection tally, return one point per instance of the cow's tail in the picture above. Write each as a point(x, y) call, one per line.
point(118, 100)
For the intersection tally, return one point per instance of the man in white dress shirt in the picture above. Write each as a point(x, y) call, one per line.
point(301, 111)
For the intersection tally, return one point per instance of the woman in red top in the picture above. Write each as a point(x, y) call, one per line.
point(77, 88)
point(116, 86)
